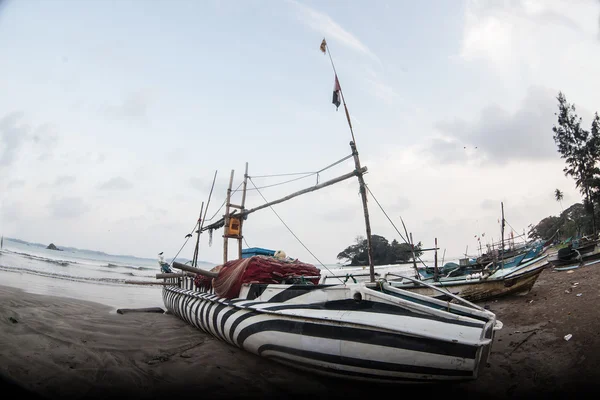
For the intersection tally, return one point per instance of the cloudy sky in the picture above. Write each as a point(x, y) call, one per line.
point(114, 117)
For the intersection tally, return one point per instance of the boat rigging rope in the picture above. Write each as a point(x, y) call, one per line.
point(405, 241)
point(288, 228)
point(305, 175)
point(187, 237)
point(222, 205)
point(524, 240)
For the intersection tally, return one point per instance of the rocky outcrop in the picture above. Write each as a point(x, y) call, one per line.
point(51, 246)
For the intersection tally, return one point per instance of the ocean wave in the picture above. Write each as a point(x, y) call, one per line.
point(62, 263)
point(113, 281)
point(109, 265)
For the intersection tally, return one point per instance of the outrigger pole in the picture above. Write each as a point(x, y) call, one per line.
point(359, 173)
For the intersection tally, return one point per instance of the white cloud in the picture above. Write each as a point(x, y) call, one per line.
point(330, 29)
point(499, 136)
point(68, 207)
point(135, 105)
point(550, 43)
point(117, 183)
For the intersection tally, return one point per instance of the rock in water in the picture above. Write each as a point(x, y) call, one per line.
point(51, 246)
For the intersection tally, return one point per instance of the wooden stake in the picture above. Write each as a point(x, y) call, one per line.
point(226, 218)
point(242, 209)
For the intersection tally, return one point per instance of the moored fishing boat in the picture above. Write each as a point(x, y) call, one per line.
point(483, 286)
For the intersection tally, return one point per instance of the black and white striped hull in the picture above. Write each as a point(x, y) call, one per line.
point(326, 330)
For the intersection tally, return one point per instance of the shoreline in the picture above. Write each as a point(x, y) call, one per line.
point(69, 348)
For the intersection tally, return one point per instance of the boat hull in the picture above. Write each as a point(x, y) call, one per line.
point(586, 258)
point(481, 290)
point(335, 338)
point(504, 282)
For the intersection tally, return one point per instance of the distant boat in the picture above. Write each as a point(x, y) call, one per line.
point(581, 251)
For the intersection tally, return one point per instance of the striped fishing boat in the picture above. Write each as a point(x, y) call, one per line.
point(366, 331)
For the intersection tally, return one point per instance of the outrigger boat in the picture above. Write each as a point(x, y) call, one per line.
point(471, 281)
point(577, 253)
point(373, 331)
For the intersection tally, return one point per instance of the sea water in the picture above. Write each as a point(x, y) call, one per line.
point(81, 274)
point(99, 277)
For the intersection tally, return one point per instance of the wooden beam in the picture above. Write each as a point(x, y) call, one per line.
point(188, 268)
point(307, 190)
point(134, 310)
point(220, 223)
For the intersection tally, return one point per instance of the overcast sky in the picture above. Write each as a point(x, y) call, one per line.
point(115, 115)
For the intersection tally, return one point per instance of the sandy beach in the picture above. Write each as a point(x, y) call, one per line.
point(65, 348)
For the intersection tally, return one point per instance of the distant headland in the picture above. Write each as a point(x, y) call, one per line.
point(51, 246)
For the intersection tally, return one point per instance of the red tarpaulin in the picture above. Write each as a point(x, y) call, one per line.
point(256, 269)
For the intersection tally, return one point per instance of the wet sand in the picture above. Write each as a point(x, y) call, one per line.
point(65, 348)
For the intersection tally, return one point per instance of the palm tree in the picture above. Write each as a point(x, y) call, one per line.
point(558, 196)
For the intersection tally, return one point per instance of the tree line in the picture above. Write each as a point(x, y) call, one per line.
point(384, 252)
point(580, 148)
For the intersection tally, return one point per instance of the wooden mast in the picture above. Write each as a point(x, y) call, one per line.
point(241, 235)
point(226, 219)
point(358, 169)
point(195, 257)
point(363, 196)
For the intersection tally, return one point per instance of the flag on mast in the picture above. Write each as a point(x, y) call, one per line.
point(336, 93)
point(324, 46)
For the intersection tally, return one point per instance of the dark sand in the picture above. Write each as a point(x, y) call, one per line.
point(64, 348)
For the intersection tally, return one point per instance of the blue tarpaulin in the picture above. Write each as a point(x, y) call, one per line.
point(257, 251)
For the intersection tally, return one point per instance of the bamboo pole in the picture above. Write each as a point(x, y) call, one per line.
point(242, 209)
point(436, 271)
point(407, 238)
point(412, 248)
point(443, 257)
point(226, 219)
point(195, 257)
point(199, 271)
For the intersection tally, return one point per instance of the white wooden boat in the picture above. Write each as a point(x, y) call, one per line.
point(366, 331)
